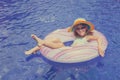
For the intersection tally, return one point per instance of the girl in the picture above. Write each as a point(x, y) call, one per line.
point(83, 32)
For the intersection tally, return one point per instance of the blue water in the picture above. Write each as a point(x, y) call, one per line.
point(20, 18)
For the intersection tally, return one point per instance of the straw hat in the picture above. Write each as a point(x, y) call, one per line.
point(81, 20)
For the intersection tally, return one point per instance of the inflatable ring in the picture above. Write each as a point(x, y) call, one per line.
point(73, 54)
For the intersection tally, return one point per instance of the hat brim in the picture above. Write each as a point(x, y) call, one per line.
point(91, 26)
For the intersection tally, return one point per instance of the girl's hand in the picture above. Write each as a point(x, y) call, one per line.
point(101, 51)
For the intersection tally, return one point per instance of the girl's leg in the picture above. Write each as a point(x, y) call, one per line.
point(50, 42)
point(56, 40)
point(53, 45)
point(33, 50)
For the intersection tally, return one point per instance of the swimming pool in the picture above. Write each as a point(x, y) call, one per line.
point(20, 18)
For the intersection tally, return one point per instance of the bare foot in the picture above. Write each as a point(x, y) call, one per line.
point(29, 52)
point(33, 36)
point(39, 41)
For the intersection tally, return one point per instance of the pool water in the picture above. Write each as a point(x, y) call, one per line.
point(21, 18)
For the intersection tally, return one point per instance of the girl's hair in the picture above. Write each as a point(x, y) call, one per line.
point(88, 32)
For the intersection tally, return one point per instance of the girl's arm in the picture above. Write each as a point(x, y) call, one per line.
point(99, 40)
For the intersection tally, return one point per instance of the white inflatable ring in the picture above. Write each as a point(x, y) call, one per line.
point(74, 54)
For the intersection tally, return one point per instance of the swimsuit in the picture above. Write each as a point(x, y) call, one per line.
point(76, 42)
point(79, 41)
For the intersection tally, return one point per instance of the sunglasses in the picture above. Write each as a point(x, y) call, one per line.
point(79, 28)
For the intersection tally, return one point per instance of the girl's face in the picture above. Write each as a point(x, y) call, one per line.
point(81, 30)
